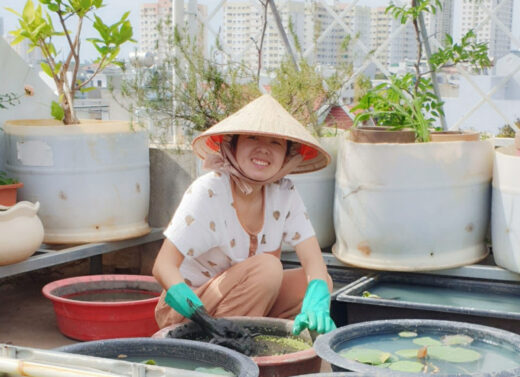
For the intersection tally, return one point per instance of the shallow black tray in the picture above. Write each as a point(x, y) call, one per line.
point(360, 309)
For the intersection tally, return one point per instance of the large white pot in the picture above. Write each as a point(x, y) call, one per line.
point(317, 192)
point(92, 179)
point(21, 232)
point(412, 207)
point(505, 209)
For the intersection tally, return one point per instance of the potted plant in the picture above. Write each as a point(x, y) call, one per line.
point(505, 221)
point(8, 187)
point(84, 173)
point(409, 102)
point(413, 206)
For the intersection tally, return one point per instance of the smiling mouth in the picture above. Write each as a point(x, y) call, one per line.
point(259, 162)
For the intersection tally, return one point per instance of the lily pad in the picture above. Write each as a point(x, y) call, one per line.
point(406, 366)
point(459, 339)
point(408, 353)
point(366, 355)
point(453, 354)
point(407, 334)
point(427, 341)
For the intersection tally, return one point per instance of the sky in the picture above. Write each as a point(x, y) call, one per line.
point(115, 8)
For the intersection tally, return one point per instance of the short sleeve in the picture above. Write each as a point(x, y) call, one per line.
point(297, 226)
point(194, 228)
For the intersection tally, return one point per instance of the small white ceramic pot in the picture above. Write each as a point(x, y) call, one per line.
point(21, 232)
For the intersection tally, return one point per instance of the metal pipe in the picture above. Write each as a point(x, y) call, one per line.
point(428, 52)
point(281, 30)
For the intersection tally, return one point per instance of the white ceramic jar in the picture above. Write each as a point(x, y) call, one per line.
point(21, 232)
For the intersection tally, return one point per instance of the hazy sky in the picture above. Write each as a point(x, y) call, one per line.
point(115, 8)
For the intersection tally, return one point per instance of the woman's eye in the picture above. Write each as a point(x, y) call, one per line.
point(276, 142)
point(252, 137)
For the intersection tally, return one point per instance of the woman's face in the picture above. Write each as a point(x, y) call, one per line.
point(260, 157)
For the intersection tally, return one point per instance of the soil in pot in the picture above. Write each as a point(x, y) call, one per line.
point(430, 352)
point(381, 134)
point(265, 343)
point(454, 136)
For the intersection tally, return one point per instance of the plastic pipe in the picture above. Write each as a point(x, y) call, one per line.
point(32, 369)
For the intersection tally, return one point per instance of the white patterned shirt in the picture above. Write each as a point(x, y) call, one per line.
point(206, 230)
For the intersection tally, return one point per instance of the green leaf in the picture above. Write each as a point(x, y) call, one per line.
point(453, 354)
point(57, 111)
point(407, 334)
point(28, 11)
point(46, 69)
point(427, 341)
point(408, 353)
point(459, 339)
point(366, 355)
point(88, 89)
point(406, 366)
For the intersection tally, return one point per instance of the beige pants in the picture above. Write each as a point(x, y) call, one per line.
point(256, 287)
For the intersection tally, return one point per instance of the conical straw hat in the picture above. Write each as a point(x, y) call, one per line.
point(265, 116)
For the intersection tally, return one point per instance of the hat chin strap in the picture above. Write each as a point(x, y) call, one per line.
point(225, 162)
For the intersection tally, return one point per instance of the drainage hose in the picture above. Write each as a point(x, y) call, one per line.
point(32, 369)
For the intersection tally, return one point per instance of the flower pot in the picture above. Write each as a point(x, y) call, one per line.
point(505, 218)
point(501, 347)
point(411, 207)
point(184, 351)
point(8, 194)
point(317, 192)
point(21, 232)
point(381, 134)
point(105, 306)
point(454, 136)
point(91, 179)
point(270, 366)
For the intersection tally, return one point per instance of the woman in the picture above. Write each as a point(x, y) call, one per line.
point(222, 247)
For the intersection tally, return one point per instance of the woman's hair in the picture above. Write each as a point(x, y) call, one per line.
point(234, 140)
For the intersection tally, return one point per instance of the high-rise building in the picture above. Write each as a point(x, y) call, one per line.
point(476, 15)
point(404, 46)
point(242, 30)
point(154, 17)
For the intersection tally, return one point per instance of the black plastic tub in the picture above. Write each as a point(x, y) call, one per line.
point(328, 345)
point(485, 311)
point(148, 348)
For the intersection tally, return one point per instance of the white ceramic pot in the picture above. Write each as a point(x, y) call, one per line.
point(412, 207)
point(21, 232)
point(92, 179)
point(317, 192)
point(505, 208)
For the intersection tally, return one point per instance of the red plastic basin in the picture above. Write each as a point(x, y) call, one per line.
point(102, 317)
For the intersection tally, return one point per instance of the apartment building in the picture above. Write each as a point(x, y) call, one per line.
point(476, 15)
point(155, 16)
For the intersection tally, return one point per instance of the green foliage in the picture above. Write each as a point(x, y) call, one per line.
point(36, 26)
point(507, 131)
point(5, 180)
point(9, 99)
point(303, 89)
point(418, 360)
point(409, 101)
point(57, 111)
point(204, 90)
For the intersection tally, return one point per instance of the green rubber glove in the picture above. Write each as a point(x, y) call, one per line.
point(315, 313)
point(177, 297)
